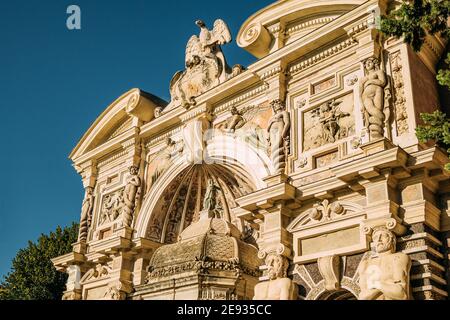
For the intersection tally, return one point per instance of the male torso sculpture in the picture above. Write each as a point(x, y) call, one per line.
point(384, 275)
point(279, 286)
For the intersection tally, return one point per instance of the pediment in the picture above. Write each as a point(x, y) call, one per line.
point(118, 119)
point(295, 18)
point(324, 212)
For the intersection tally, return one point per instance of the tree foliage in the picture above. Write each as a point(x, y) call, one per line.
point(33, 276)
point(436, 127)
point(414, 19)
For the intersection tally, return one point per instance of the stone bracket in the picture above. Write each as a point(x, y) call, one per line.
point(329, 268)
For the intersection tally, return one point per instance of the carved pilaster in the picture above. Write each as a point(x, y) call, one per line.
point(275, 237)
point(274, 76)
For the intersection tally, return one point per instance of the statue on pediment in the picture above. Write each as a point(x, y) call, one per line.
point(205, 63)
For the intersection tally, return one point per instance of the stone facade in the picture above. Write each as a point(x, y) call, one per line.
point(300, 175)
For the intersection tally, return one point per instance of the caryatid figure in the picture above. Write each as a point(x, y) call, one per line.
point(86, 214)
point(278, 130)
point(371, 91)
point(130, 196)
point(279, 286)
point(385, 274)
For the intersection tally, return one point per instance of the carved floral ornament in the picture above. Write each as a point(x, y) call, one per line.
point(324, 212)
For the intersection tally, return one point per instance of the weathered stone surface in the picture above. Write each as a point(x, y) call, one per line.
point(273, 177)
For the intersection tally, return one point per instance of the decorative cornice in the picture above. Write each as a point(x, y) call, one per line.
point(192, 113)
point(275, 28)
point(271, 73)
point(162, 137)
point(363, 25)
point(309, 23)
point(321, 56)
point(109, 159)
point(200, 267)
point(242, 98)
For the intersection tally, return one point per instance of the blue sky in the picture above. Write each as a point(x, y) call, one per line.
point(55, 82)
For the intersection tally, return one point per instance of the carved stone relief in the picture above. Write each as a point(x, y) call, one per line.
point(326, 211)
point(401, 116)
point(248, 124)
point(330, 122)
point(98, 272)
point(112, 206)
point(206, 66)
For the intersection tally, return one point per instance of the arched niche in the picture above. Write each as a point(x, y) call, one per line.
point(176, 197)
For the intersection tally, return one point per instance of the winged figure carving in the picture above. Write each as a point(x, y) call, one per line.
point(205, 63)
point(248, 124)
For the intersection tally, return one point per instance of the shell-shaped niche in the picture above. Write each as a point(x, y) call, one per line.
point(181, 202)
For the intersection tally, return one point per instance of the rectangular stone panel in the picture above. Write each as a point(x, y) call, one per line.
point(330, 241)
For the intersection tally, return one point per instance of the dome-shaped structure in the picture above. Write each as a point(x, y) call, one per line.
point(210, 250)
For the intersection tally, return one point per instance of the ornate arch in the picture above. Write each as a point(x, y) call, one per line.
point(319, 292)
point(221, 159)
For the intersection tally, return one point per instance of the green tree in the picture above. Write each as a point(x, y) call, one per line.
point(414, 19)
point(436, 127)
point(33, 276)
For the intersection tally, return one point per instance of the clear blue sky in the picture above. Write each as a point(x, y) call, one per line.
point(55, 82)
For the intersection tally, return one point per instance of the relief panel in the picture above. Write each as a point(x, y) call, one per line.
point(329, 122)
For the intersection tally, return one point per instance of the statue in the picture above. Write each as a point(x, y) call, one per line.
point(279, 286)
point(130, 196)
point(86, 214)
point(278, 130)
point(211, 41)
point(210, 199)
point(236, 121)
point(206, 66)
point(371, 92)
point(385, 274)
point(329, 115)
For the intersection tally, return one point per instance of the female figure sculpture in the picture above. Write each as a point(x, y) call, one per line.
point(130, 194)
point(371, 91)
point(86, 211)
point(278, 131)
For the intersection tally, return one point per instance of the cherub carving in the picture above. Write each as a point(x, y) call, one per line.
point(235, 121)
point(329, 115)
